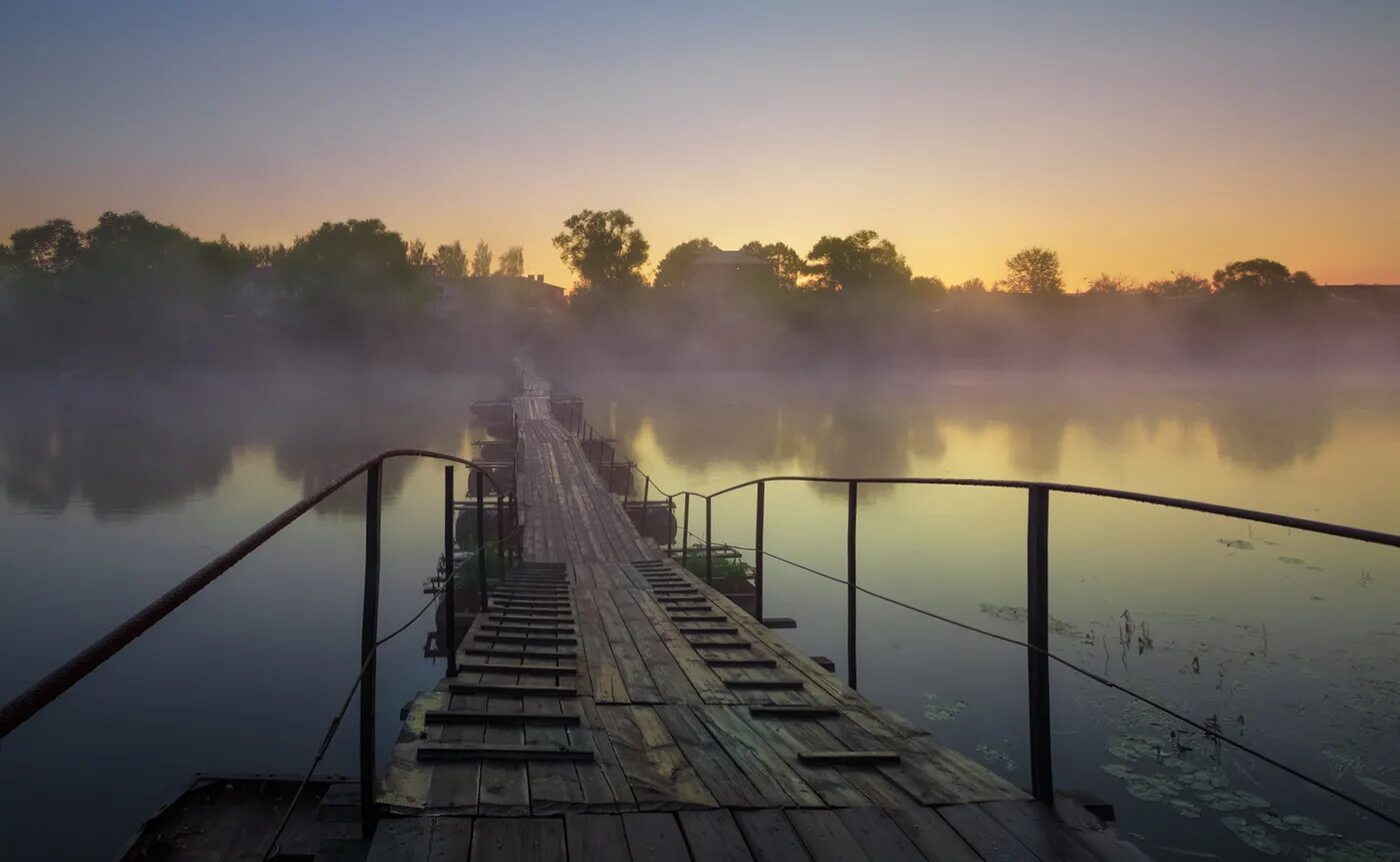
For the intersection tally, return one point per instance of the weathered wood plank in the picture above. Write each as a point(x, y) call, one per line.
point(500, 751)
point(721, 776)
point(554, 787)
point(989, 838)
point(932, 835)
point(771, 837)
point(713, 836)
point(518, 839)
point(402, 840)
point(878, 836)
point(657, 771)
point(596, 838)
point(481, 716)
point(826, 837)
point(654, 837)
point(768, 771)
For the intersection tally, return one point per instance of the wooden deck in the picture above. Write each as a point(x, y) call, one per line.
point(611, 706)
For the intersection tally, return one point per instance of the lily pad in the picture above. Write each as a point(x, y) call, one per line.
point(1253, 834)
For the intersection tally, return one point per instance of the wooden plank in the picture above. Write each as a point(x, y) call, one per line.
point(657, 771)
point(870, 783)
point(766, 684)
point(989, 838)
point(721, 776)
point(718, 645)
point(768, 771)
point(671, 679)
point(932, 835)
point(406, 839)
point(554, 786)
point(500, 751)
point(1036, 826)
point(518, 839)
point(608, 685)
point(456, 685)
point(514, 652)
point(770, 836)
point(849, 758)
point(481, 716)
point(455, 786)
point(604, 783)
point(707, 630)
point(452, 839)
point(722, 661)
point(773, 710)
point(505, 788)
point(826, 837)
point(826, 781)
point(713, 836)
point(527, 640)
point(706, 683)
point(878, 836)
point(529, 669)
point(641, 687)
point(654, 838)
point(780, 622)
point(553, 628)
point(596, 838)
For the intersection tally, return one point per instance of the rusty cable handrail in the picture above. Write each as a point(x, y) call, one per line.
point(27, 703)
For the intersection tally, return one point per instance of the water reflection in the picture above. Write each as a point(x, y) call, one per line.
point(854, 428)
point(132, 446)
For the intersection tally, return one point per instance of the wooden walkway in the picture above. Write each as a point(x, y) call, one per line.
point(610, 706)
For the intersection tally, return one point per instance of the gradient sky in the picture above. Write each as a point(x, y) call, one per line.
point(1133, 137)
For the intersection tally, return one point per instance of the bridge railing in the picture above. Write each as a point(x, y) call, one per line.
point(28, 703)
point(1036, 644)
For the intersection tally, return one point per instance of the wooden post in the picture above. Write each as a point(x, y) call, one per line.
point(709, 541)
point(369, 633)
point(1038, 638)
point(685, 532)
point(758, 555)
point(449, 590)
point(851, 584)
point(481, 539)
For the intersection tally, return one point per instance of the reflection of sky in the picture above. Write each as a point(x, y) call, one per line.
point(1134, 137)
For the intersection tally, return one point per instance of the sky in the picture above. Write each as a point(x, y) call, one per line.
point(1134, 137)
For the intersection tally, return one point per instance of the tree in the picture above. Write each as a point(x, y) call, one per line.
point(928, 287)
point(788, 266)
point(604, 249)
point(1179, 286)
point(481, 260)
point(49, 248)
point(971, 287)
point(1265, 281)
point(1034, 271)
point(349, 271)
point(7, 257)
point(417, 254)
point(860, 262)
point(1110, 284)
point(512, 262)
point(450, 260)
point(670, 272)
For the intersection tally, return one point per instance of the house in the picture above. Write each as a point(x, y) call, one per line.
point(721, 276)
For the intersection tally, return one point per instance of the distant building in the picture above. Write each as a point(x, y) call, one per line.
point(528, 293)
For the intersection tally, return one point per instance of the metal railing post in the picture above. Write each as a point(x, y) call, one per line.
point(851, 584)
point(480, 540)
point(500, 533)
point(671, 531)
point(627, 486)
point(685, 532)
point(369, 633)
point(646, 495)
point(1038, 638)
point(758, 555)
point(449, 589)
point(709, 541)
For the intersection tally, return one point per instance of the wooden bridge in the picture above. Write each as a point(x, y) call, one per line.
point(608, 705)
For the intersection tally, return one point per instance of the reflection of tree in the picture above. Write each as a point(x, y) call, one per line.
point(848, 426)
point(132, 446)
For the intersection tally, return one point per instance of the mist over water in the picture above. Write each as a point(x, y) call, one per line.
point(113, 488)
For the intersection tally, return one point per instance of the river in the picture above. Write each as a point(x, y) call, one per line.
point(111, 490)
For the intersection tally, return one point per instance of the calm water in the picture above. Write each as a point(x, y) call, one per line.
point(112, 491)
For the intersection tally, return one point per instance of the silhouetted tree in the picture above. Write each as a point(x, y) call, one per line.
point(1265, 281)
point(49, 248)
point(417, 254)
point(670, 272)
point(971, 287)
point(860, 262)
point(1179, 286)
point(604, 249)
point(450, 260)
point(481, 260)
point(512, 262)
point(1034, 271)
point(928, 287)
point(350, 271)
point(1110, 284)
point(788, 266)
point(7, 257)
